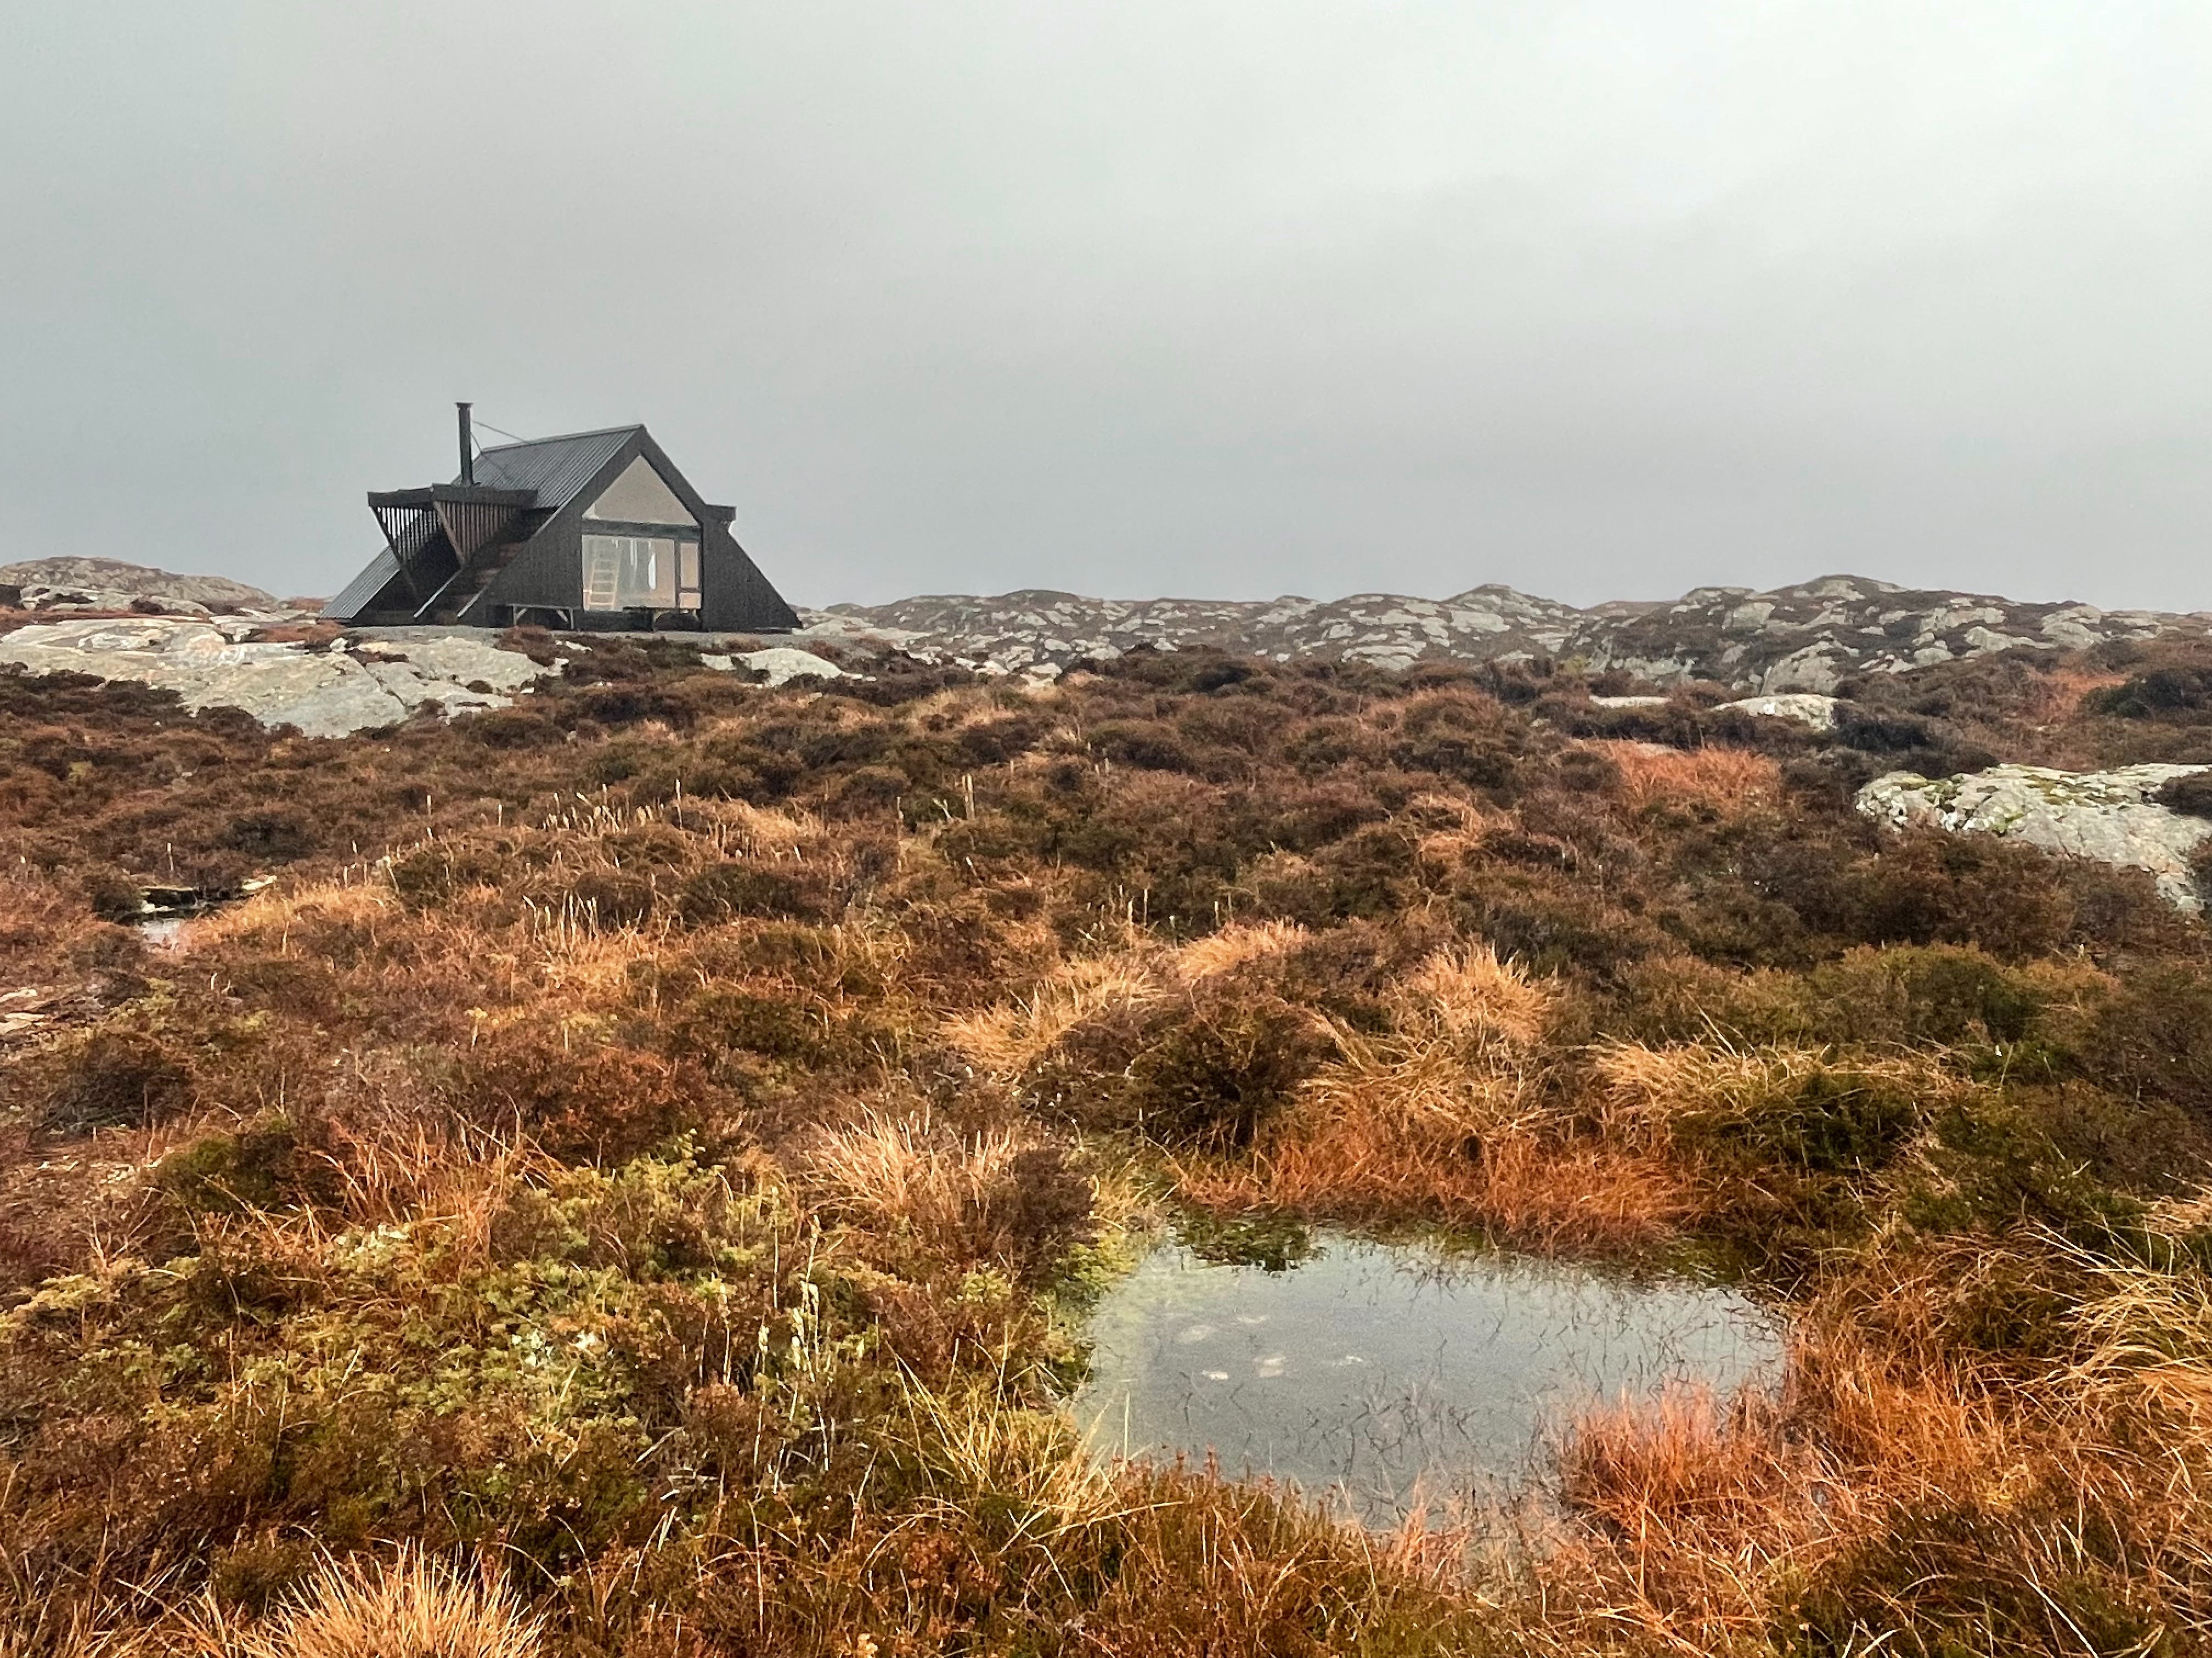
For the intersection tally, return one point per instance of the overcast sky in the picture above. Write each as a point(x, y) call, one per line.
point(1226, 298)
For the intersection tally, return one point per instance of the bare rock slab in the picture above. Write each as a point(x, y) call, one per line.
point(329, 693)
point(2108, 816)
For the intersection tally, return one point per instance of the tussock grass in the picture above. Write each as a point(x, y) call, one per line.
point(1444, 1112)
point(414, 1606)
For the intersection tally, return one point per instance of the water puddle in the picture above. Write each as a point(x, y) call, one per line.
point(1397, 1376)
point(163, 910)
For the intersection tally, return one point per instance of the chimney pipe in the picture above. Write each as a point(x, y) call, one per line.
point(468, 447)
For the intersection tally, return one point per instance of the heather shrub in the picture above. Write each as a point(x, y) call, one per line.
point(277, 835)
point(113, 1079)
point(612, 898)
point(1206, 1069)
point(1950, 995)
point(2153, 1035)
point(512, 729)
point(270, 1164)
point(438, 871)
point(724, 1017)
point(1147, 744)
point(1927, 887)
point(2173, 692)
point(579, 1096)
point(749, 886)
point(1825, 1122)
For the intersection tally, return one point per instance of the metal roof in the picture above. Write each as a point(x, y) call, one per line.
point(557, 468)
point(360, 593)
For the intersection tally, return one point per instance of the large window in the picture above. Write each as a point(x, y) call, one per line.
point(649, 559)
point(640, 497)
point(631, 572)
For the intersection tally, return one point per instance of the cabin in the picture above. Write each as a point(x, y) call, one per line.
point(593, 530)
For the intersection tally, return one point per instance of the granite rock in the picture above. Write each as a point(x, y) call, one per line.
point(2108, 816)
point(358, 685)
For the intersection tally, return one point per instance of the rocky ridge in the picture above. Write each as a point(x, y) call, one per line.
point(111, 583)
point(1801, 639)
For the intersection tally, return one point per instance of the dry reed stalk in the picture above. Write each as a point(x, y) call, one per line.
point(274, 911)
point(458, 1178)
point(2061, 692)
point(1464, 826)
point(1572, 1197)
point(415, 1606)
point(984, 1443)
point(1702, 1510)
point(773, 832)
point(1696, 1505)
point(2148, 1333)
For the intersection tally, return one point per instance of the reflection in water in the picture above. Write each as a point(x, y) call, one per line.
point(1394, 1374)
point(163, 931)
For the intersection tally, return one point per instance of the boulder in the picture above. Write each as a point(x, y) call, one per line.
point(779, 664)
point(1806, 708)
point(2109, 816)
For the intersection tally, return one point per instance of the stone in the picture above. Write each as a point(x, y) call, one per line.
point(2108, 816)
point(1817, 668)
point(780, 663)
point(1806, 708)
point(114, 576)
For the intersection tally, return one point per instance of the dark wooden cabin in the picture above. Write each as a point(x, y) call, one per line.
point(592, 531)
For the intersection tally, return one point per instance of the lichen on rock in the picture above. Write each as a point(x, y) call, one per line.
point(2107, 815)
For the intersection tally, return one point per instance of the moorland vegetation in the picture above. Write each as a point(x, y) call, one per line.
point(631, 1184)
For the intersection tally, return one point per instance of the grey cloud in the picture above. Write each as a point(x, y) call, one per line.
point(1213, 298)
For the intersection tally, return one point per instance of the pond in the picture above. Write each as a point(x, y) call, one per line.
point(1397, 1377)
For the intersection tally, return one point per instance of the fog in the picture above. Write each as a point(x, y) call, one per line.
point(1213, 298)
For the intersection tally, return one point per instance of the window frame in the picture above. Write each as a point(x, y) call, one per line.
point(684, 598)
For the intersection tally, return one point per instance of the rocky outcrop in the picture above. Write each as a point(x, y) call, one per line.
point(112, 579)
point(2109, 816)
point(357, 684)
point(779, 664)
point(1805, 639)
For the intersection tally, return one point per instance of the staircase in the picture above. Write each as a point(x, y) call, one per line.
point(447, 606)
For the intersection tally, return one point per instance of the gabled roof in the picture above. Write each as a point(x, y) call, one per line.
point(558, 469)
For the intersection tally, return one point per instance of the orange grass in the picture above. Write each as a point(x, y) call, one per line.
point(1728, 780)
point(1441, 1115)
point(416, 1605)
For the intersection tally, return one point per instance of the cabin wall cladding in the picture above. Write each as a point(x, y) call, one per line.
point(532, 567)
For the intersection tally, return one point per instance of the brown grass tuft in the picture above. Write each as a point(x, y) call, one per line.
point(1728, 780)
point(415, 1606)
point(1442, 1113)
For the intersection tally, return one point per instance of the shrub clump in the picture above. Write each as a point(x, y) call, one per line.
point(115, 1080)
point(747, 886)
point(1204, 1069)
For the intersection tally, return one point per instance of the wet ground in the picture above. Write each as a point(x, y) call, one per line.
point(1395, 1377)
